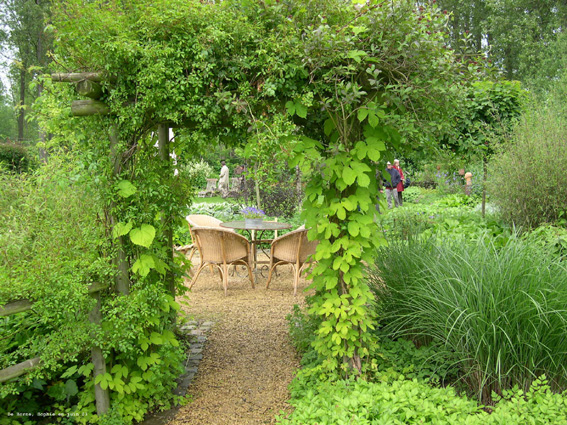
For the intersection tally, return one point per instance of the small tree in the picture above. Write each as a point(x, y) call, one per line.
point(492, 109)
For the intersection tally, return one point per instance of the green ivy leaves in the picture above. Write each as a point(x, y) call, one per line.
point(143, 235)
point(125, 189)
point(146, 262)
point(121, 229)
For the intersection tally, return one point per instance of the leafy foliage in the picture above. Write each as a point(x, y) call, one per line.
point(280, 201)
point(447, 218)
point(197, 173)
point(51, 252)
point(493, 109)
point(401, 401)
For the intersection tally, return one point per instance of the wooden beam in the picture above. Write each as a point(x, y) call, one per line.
point(75, 77)
point(83, 108)
point(18, 369)
point(89, 88)
point(19, 306)
point(15, 307)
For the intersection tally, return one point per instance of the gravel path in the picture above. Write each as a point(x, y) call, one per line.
point(248, 360)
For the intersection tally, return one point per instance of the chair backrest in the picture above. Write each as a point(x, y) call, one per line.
point(202, 220)
point(294, 246)
point(218, 245)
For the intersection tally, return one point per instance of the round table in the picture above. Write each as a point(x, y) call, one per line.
point(255, 231)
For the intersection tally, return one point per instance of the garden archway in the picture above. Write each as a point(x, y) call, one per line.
point(338, 83)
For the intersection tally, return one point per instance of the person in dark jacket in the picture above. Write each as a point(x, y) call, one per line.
point(390, 186)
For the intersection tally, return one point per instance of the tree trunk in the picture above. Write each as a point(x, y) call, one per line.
point(40, 57)
point(163, 143)
point(257, 185)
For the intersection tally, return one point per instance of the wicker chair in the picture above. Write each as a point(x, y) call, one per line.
point(200, 220)
point(219, 248)
point(293, 248)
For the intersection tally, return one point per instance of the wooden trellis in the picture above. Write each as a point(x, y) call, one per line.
point(18, 306)
point(88, 85)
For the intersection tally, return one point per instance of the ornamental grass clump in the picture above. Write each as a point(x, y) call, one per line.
point(501, 310)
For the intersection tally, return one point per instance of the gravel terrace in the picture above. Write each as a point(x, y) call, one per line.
point(248, 360)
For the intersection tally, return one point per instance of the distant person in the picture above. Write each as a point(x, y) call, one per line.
point(468, 186)
point(390, 186)
point(400, 187)
point(223, 180)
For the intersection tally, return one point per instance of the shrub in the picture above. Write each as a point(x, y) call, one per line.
point(444, 222)
point(412, 194)
point(53, 245)
point(198, 173)
point(51, 251)
point(529, 183)
point(279, 201)
point(15, 157)
point(500, 310)
point(456, 200)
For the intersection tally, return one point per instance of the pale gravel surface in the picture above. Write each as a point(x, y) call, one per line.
point(248, 360)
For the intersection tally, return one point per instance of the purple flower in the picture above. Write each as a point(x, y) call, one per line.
point(252, 212)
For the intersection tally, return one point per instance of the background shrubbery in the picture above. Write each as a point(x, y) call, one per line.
point(529, 182)
point(15, 158)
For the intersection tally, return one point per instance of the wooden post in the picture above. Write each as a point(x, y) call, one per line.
point(102, 397)
point(19, 369)
point(84, 108)
point(122, 279)
point(15, 307)
point(89, 88)
point(163, 143)
point(75, 77)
